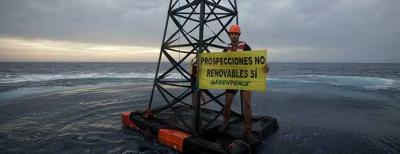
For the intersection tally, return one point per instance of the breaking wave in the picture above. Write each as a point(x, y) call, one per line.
point(369, 83)
point(364, 82)
point(51, 77)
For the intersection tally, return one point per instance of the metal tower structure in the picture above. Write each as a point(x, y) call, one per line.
point(192, 27)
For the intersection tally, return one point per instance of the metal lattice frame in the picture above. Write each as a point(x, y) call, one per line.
point(200, 24)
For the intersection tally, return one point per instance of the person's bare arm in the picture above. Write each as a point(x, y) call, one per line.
point(266, 68)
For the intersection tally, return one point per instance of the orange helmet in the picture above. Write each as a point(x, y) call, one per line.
point(234, 29)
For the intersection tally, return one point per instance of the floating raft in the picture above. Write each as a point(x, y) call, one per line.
point(172, 130)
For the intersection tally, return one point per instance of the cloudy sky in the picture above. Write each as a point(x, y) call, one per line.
point(131, 30)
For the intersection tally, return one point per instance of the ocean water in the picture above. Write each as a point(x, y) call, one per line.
point(75, 107)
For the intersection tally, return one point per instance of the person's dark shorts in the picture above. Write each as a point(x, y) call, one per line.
point(231, 91)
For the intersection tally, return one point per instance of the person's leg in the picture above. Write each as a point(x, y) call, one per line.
point(247, 112)
point(229, 95)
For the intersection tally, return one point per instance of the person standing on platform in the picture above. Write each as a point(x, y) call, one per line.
point(235, 46)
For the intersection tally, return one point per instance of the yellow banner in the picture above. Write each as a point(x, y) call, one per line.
point(233, 70)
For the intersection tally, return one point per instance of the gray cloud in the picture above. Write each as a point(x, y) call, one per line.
point(313, 31)
point(109, 21)
point(365, 30)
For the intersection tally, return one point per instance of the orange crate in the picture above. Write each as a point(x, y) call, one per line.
point(172, 138)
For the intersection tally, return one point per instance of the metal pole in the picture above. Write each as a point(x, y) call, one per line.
point(237, 15)
point(197, 118)
point(159, 57)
